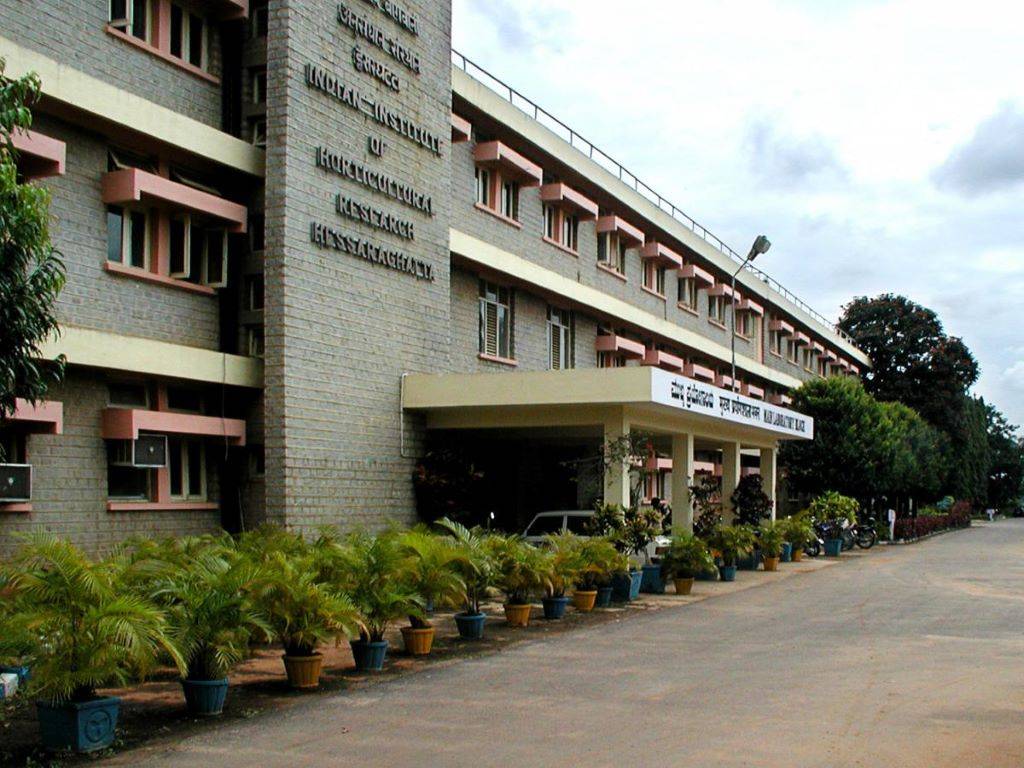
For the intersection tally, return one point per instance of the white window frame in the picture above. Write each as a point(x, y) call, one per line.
point(569, 231)
point(126, 236)
point(550, 222)
point(560, 326)
point(259, 132)
point(746, 327)
point(127, 24)
point(208, 258)
point(688, 293)
point(483, 187)
point(259, 74)
point(186, 219)
point(793, 352)
point(256, 341)
point(203, 494)
point(716, 309)
point(186, 36)
point(491, 296)
point(508, 199)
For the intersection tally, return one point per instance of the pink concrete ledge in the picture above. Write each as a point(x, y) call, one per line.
point(829, 356)
point(749, 305)
point(131, 184)
point(44, 418)
point(16, 507)
point(563, 196)
point(510, 162)
point(155, 277)
point(161, 506)
point(462, 129)
point(658, 464)
point(39, 155)
point(782, 327)
point(751, 390)
point(818, 348)
point(662, 254)
point(723, 290)
point(695, 371)
point(693, 272)
point(780, 400)
point(126, 423)
point(659, 358)
point(627, 232)
point(723, 381)
point(620, 345)
point(162, 54)
point(854, 369)
point(232, 9)
point(802, 339)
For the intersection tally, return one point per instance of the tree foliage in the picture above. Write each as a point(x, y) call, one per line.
point(31, 272)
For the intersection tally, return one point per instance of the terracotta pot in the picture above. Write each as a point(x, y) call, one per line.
point(584, 600)
point(683, 586)
point(303, 671)
point(771, 563)
point(518, 615)
point(418, 641)
point(798, 554)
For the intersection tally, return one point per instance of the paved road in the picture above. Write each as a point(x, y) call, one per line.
point(913, 656)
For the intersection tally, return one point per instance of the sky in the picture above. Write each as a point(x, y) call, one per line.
point(878, 144)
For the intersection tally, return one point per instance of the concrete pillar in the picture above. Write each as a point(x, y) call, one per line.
point(730, 477)
point(682, 476)
point(769, 477)
point(616, 481)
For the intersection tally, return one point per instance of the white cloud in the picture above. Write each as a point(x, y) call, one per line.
point(820, 124)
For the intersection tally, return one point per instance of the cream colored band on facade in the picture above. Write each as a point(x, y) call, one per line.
point(487, 255)
point(98, 97)
point(99, 349)
point(483, 98)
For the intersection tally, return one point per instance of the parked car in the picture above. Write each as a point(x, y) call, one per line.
point(575, 521)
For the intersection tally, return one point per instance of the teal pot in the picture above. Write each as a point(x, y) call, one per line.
point(604, 597)
point(727, 572)
point(651, 581)
point(626, 586)
point(554, 607)
point(750, 562)
point(23, 673)
point(205, 698)
point(787, 552)
point(707, 576)
point(833, 547)
point(79, 726)
point(471, 625)
point(369, 656)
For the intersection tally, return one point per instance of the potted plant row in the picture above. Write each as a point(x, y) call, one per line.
point(732, 543)
point(687, 557)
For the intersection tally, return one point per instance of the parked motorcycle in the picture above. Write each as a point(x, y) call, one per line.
point(864, 534)
point(816, 546)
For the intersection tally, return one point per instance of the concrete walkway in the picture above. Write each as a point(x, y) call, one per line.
point(912, 656)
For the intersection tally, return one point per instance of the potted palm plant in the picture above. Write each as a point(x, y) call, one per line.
point(609, 521)
point(833, 507)
point(476, 565)
point(520, 574)
point(302, 608)
point(770, 538)
point(598, 562)
point(686, 558)
point(732, 542)
point(379, 581)
point(207, 592)
point(434, 574)
point(561, 562)
point(799, 532)
point(94, 632)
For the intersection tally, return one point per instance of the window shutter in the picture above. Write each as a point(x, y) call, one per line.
point(555, 332)
point(491, 328)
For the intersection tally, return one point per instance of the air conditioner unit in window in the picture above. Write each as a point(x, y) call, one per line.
point(146, 452)
point(15, 482)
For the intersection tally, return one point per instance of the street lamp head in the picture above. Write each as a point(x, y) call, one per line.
point(761, 245)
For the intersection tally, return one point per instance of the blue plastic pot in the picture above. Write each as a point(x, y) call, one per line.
point(727, 572)
point(369, 656)
point(787, 552)
point(205, 698)
point(626, 586)
point(471, 625)
point(84, 726)
point(707, 576)
point(651, 581)
point(833, 547)
point(604, 597)
point(23, 673)
point(554, 607)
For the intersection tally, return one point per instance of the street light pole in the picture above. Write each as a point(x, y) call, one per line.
point(761, 245)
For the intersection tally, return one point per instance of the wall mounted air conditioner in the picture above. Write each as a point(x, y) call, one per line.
point(15, 482)
point(146, 452)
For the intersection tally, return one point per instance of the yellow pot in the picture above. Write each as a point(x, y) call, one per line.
point(303, 671)
point(518, 615)
point(771, 563)
point(683, 586)
point(418, 641)
point(583, 600)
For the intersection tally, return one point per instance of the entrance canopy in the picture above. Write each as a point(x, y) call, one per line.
point(650, 397)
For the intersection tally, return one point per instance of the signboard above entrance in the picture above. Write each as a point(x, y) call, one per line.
point(698, 397)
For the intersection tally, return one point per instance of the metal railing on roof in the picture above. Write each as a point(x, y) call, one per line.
point(545, 118)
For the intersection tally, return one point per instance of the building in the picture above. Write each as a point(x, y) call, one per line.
point(304, 240)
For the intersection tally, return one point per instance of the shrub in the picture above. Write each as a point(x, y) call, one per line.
point(600, 560)
point(733, 541)
point(687, 557)
point(475, 561)
point(751, 503)
point(797, 530)
point(435, 571)
point(521, 570)
point(833, 506)
point(561, 562)
point(770, 538)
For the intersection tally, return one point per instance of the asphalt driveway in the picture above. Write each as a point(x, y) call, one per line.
point(913, 656)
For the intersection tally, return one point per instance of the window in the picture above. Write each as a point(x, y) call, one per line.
point(128, 395)
point(259, 86)
point(688, 293)
point(184, 399)
point(776, 343)
point(12, 447)
point(128, 236)
point(654, 277)
point(792, 351)
point(560, 339)
point(611, 251)
point(188, 36)
point(197, 254)
point(823, 367)
point(561, 228)
point(610, 360)
point(258, 21)
point(131, 17)
point(570, 232)
point(496, 321)
point(716, 309)
point(258, 129)
point(186, 464)
point(257, 461)
point(254, 292)
point(550, 223)
point(255, 341)
point(483, 187)
point(807, 358)
point(510, 200)
point(257, 232)
point(180, 261)
point(746, 325)
point(124, 482)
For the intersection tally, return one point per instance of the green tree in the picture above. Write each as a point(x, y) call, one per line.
point(31, 272)
point(1005, 484)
